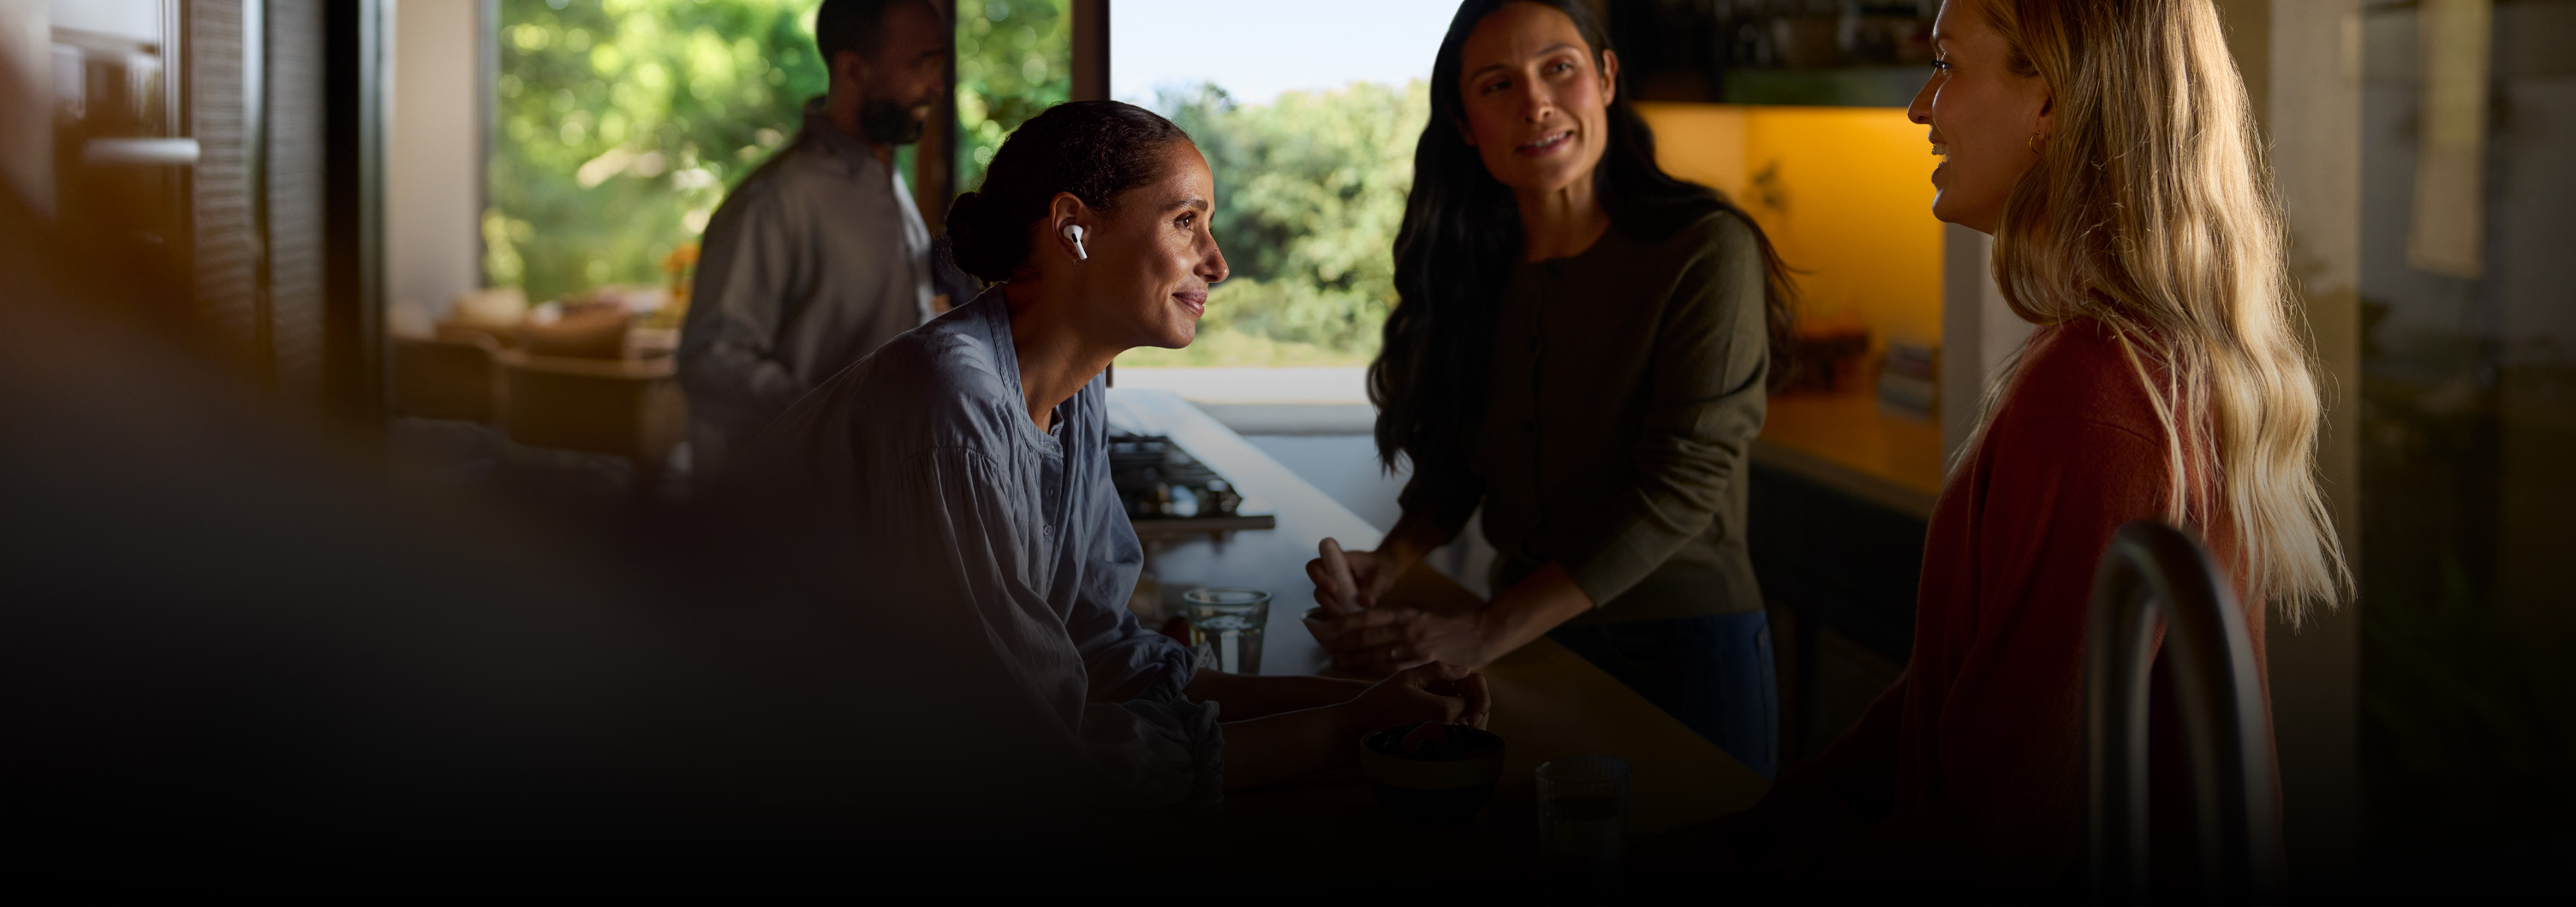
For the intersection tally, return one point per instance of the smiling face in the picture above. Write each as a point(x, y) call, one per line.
point(1985, 118)
point(1151, 262)
point(1537, 106)
point(905, 76)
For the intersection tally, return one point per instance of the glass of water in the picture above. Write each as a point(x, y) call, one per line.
point(1582, 819)
point(1229, 620)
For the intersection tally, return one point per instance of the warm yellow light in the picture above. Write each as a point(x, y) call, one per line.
point(1844, 193)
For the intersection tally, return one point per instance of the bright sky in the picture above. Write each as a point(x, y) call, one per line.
point(1256, 49)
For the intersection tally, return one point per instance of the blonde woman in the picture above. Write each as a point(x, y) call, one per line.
point(2108, 147)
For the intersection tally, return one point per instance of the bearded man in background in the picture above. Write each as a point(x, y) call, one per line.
point(820, 256)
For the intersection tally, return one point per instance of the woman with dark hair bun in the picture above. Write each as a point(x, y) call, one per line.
point(965, 467)
point(1582, 349)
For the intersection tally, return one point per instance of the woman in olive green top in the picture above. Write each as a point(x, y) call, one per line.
point(1582, 348)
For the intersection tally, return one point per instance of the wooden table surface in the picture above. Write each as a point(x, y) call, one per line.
point(1548, 702)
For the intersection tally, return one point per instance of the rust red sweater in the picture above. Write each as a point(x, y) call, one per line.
point(1968, 771)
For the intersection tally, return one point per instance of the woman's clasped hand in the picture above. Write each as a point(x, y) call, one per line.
point(1379, 640)
point(1433, 691)
point(1370, 637)
point(1374, 641)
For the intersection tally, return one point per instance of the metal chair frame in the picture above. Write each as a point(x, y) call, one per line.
point(2154, 571)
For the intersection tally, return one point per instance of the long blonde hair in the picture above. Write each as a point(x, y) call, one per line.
point(2151, 210)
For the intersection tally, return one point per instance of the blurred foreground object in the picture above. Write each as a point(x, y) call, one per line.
point(440, 378)
point(242, 656)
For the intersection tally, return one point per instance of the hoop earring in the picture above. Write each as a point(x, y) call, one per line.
point(2033, 144)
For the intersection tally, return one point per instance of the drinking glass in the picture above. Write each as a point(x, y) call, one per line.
point(1582, 819)
point(1229, 620)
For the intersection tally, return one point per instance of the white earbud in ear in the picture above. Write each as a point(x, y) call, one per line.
point(1074, 232)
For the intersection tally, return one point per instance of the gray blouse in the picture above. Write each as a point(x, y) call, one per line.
point(1011, 536)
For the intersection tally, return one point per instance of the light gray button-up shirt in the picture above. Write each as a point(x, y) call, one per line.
point(1006, 543)
point(817, 259)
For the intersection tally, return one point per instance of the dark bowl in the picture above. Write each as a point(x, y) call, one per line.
point(1433, 791)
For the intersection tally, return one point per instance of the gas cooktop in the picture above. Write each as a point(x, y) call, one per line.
point(1166, 490)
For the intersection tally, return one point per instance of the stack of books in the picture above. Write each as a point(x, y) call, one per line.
point(1909, 381)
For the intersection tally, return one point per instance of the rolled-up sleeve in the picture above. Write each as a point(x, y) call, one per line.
point(1706, 404)
point(946, 531)
point(745, 275)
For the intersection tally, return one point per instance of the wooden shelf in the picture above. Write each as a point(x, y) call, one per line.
point(1845, 442)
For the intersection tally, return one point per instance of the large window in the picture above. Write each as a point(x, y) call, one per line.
point(1014, 59)
point(1308, 117)
point(621, 124)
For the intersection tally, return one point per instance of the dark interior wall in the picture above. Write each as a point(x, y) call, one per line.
point(1090, 50)
point(2469, 384)
point(353, 97)
point(1839, 574)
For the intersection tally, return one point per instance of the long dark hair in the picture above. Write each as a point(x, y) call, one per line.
point(1462, 235)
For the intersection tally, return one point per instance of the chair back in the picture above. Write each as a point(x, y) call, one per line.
point(2154, 571)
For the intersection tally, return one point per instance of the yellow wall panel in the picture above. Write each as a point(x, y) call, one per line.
point(1702, 143)
point(1844, 192)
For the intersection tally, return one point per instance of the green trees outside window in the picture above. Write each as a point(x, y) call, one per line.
point(1310, 190)
point(1014, 59)
point(621, 123)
